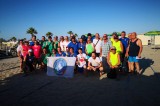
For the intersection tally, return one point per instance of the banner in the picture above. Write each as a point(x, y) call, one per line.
point(61, 66)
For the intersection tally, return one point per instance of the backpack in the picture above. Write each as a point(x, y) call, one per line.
point(112, 74)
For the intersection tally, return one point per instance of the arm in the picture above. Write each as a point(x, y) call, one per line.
point(58, 44)
point(100, 65)
point(108, 60)
point(93, 47)
point(89, 65)
point(121, 47)
point(140, 45)
point(119, 61)
point(86, 50)
point(100, 51)
point(126, 55)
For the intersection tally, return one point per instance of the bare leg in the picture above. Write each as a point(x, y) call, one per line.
point(132, 66)
point(129, 64)
point(137, 67)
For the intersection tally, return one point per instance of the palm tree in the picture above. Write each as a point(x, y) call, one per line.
point(76, 35)
point(70, 32)
point(49, 34)
point(13, 39)
point(31, 31)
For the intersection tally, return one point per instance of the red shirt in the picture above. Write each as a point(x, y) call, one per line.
point(25, 49)
point(37, 51)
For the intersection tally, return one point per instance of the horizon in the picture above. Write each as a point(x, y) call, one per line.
point(79, 16)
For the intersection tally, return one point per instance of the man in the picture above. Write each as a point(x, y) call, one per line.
point(20, 54)
point(81, 60)
point(31, 43)
point(56, 42)
point(73, 44)
point(60, 53)
point(71, 52)
point(134, 52)
point(61, 43)
point(95, 64)
point(104, 50)
point(49, 45)
point(97, 43)
point(43, 42)
point(37, 51)
point(124, 41)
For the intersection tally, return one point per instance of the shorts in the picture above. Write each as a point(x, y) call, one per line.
point(80, 69)
point(97, 54)
point(132, 59)
point(38, 61)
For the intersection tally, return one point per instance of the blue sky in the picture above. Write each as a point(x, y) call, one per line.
point(79, 16)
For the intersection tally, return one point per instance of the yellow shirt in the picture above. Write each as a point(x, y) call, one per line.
point(113, 58)
point(118, 46)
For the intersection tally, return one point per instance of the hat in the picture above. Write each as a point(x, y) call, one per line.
point(30, 50)
point(73, 37)
point(113, 47)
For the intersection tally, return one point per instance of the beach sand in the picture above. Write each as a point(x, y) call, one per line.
point(40, 89)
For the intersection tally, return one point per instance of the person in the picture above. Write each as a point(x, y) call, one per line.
point(81, 44)
point(44, 58)
point(124, 41)
point(118, 44)
point(90, 37)
point(49, 45)
point(71, 52)
point(95, 64)
point(31, 43)
point(113, 60)
point(62, 43)
point(56, 42)
point(66, 43)
point(97, 43)
point(89, 48)
point(29, 59)
point(71, 35)
point(130, 37)
point(25, 48)
point(43, 42)
point(73, 44)
point(134, 52)
point(81, 61)
point(20, 54)
point(37, 51)
point(113, 34)
point(104, 50)
point(60, 53)
point(84, 38)
point(53, 53)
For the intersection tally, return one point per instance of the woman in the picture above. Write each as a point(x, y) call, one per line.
point(53, 53)
point(25, 48)
point(44, 58)
point(49, 45)
point(71, 53)
point(82, 45)
point(89, 48)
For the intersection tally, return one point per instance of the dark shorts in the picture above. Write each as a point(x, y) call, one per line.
point(97, 54)
point(38, 61)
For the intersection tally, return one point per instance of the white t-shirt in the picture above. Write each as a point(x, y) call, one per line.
point(97, 47)
point(19, 49)
point(63, 45)
point(80, 57)
point(94, 62)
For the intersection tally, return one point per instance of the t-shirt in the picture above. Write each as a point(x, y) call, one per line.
point(25, 49)
point(44, 58)
point(94, 62)
point(73, 55)
point(19, 49)
point(60, 55)
point(49, 47)
point(80, 57)
point(75, 46)
point(124, 42)
point(43, 44)
point(89, 48)
point(82, 46)
point(37, 51)
point(63, 45)
point(97, 45)
point(31, 43)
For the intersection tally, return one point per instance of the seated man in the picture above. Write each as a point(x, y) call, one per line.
point(113, 59)
point(29, 60)
point(94, 63)
point(71, 52)
point(81, 60)
point(60, 53)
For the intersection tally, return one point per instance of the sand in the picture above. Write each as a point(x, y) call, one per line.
point(40, 89)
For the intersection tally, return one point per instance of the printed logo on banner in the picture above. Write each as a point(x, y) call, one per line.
point(60, 66)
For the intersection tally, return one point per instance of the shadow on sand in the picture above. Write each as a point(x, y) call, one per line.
point(40, 89)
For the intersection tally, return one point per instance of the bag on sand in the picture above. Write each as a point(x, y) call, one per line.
point(112, 74)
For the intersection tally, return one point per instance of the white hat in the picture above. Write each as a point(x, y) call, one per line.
point(30, 50)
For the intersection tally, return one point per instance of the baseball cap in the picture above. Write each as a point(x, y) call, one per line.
point(113, 48)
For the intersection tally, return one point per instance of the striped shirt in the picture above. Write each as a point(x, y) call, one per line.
point(105, 47)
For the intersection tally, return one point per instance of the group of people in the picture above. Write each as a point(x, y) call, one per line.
point(91, 53)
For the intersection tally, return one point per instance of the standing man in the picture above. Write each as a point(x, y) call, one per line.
point(43, 42)
point(97, 42)
point(134, 52)
point(124, 41)
point(61, 43)
point(20, 54)
point(104, 50)
point(55, 42)
point(49, 45)
point(31, 43)
point(73, 44)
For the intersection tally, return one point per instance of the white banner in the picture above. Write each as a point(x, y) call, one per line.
point(61, 66)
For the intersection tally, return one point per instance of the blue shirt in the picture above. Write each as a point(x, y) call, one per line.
point(82, 46)
point(73, 55)
point(31, 43)
point(62, 55)
point(124, 42)
point(75, 46)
